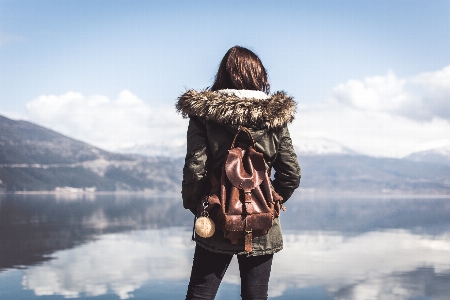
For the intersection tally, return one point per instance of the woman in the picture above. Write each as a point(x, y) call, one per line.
point(239, 97)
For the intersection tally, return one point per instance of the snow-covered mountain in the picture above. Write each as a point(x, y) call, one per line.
point(307, 146)
point(321, 146)
point(155, 150)
point(434, 152)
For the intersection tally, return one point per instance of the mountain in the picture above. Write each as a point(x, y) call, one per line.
point(35, 158)
point(155, 150)
point(368, 175)
point(321, 146)
point(438, 152)
point(309, 146)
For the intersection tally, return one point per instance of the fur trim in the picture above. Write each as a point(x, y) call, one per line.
point(228, 108)
point(245, 93)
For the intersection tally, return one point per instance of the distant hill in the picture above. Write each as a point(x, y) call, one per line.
point(439, 155)
point(320, 147)
point(366, 175)
point(33, 158)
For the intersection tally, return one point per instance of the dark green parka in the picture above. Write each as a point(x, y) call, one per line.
point(215, 117)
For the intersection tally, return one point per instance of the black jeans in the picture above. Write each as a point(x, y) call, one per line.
point(209, 268)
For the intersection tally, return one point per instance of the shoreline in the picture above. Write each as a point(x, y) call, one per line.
point(147, 193)
point(305, 194)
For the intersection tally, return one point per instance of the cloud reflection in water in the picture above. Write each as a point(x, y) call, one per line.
point(389, 264)
point(373, 265)
point(120, 263)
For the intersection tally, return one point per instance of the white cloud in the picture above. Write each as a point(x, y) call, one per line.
point(369, 132)
point(378, 93)
point(437, 82)
point(421, 97)
point(437, 91)
point(125, 122)
point(382, 116)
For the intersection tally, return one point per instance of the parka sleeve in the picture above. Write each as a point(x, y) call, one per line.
point(195, 182)
point(287, 170)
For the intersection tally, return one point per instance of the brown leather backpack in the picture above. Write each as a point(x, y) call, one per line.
point(243, 204)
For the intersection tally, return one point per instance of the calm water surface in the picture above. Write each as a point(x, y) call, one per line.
point(120, 247)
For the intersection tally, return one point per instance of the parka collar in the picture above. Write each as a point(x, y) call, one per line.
point(238, 107)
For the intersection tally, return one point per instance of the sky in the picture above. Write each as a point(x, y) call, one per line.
point(371, 76)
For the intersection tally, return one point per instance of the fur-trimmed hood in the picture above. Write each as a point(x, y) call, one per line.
point(238, 107)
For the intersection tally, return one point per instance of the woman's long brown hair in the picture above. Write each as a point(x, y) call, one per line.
point(240, 69)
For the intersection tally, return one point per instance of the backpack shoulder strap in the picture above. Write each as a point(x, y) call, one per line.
point(242, 128)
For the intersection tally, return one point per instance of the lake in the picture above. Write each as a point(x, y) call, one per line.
point(94, 246)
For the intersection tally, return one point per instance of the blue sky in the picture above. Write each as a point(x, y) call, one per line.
point(155, 49)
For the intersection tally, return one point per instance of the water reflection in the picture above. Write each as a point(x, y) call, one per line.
point(380, 248)
point(33, 226)
point(391, 264)
point(374, 265)
point(117, 263)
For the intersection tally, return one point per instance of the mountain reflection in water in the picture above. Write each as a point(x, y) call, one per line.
point(124, 246)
